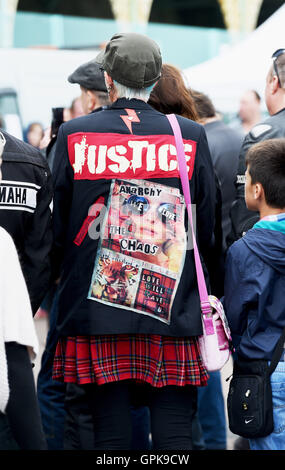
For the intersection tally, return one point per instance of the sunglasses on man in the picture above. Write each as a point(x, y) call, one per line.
point(274, 56)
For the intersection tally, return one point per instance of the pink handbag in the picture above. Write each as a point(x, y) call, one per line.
point(216, 342)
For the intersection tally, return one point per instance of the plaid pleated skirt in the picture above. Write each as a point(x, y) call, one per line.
point(157, 360)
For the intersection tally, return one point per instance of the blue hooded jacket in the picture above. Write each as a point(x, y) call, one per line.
point(254, 299)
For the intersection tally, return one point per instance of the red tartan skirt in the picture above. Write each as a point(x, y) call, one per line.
point(157, 360)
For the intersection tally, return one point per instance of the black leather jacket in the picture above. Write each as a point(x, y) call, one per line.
point(25, 199)
point(242, 219)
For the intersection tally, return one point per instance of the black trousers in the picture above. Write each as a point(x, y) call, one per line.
point(79, 428)
point(21, 427)
point(171, 412)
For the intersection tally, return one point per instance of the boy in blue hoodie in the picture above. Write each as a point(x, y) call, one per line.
point(255, 276)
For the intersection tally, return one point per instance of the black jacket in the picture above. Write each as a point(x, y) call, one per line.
point(25, 212)
point(112, 287)
point(241, 218)
point(225, 145)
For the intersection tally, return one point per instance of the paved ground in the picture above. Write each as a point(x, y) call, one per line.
point(42, 329)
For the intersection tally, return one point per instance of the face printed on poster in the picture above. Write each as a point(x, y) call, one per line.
point(141, 254)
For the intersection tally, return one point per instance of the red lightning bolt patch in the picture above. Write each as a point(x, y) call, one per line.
point(130, 118)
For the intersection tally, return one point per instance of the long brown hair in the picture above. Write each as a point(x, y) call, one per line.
point(170, 94)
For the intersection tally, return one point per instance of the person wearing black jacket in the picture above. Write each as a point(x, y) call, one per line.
point(135, 285)
point(25, 212)
point(20, 422)
point(271, 128)
point(225, 145)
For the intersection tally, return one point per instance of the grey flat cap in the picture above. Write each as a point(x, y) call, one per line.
point(134, 60)
point(90, 76)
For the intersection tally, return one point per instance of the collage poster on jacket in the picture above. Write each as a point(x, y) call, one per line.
point(141, 253)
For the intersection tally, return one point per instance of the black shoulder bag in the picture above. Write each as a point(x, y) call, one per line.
point(249, 402)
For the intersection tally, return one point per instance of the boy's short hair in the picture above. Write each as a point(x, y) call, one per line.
point(266, 161)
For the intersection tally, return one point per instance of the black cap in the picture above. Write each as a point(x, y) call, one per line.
point(134, 60)
point(90, 76)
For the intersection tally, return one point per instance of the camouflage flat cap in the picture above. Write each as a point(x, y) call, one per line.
point(89, 75)
point(134, 60)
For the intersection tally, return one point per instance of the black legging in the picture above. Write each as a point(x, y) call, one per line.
point(22, 411)
point(171, 412)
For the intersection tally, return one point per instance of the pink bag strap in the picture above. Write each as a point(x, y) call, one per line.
point(182, 166)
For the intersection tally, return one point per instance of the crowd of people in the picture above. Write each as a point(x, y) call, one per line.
point(94, 228)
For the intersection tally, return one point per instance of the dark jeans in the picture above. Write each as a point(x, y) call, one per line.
point(21, 427)
point(141, 428)
point(211, 413)
point(171, 411)
point(51, 394)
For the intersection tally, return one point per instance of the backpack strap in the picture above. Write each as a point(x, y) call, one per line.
point(182, 167)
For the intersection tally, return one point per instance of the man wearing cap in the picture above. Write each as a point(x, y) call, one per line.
point(129, 309)
point(271, 128)
point(92, 85)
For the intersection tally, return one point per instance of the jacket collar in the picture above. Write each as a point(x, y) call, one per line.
point(123, 103)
